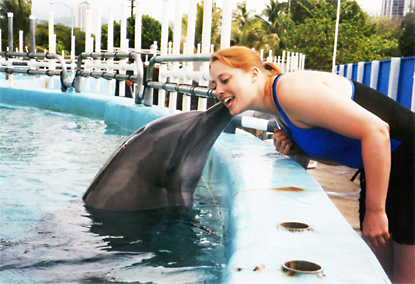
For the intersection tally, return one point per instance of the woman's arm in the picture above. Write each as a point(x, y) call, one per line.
point(314, 104)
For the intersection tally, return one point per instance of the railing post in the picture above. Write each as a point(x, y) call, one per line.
point(176, 51)
point(32, 44)
point(190, 47)
point(225, 39)
point(207, 31)
point(97, 43)
point(20, 41)
point(32, 34)
point(110, 45)
point(10, 17)
point(163, 52)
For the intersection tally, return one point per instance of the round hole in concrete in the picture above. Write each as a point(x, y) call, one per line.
point(301, 267)
point(295, 226)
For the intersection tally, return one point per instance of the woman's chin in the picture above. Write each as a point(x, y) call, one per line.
point(234, 111)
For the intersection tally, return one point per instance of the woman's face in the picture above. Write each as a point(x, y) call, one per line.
point(233, 86)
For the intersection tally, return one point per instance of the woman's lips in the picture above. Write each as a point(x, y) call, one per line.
point(228, 101)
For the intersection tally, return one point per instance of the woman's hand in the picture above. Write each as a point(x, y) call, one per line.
point(284, 144)
point(375, 228)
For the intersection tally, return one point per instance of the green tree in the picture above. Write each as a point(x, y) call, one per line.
point(253, 31)
point(406, 40)
point(63, 38)
point(357, 39)
point(387, 31)
point(275, 20)
point(21, 10)
point(241, 16)
point(299, 10)
point(104, 35)
point(150, 32)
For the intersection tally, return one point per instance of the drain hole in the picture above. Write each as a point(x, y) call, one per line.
point(301, 267)
point(295, 226)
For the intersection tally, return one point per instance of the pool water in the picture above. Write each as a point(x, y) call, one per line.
point(47, 161)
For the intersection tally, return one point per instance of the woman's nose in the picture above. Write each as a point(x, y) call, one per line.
point(219, 90)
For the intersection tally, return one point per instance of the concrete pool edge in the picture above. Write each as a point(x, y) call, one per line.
point(265, 189)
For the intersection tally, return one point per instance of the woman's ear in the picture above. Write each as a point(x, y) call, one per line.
point(255, 73)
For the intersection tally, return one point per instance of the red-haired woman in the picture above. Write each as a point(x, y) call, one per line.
point(332, 119)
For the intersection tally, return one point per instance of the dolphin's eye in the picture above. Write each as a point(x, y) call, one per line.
point(171, 171)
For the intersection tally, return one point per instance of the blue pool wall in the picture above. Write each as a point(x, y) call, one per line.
point(265, 189)
point(393, 77)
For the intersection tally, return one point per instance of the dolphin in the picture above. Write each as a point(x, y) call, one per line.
point(160, 164)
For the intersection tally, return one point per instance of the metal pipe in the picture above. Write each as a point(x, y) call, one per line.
point(187, 89)
point(107, 55)
point(10, 16)
point(65, 81)
point(108, 75)
point(32, 34)
point(178, 58)
point(9, 70)
point(148, 94)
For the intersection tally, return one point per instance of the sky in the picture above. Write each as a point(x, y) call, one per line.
point(41, 8)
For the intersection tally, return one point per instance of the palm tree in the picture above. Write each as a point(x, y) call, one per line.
point(271, 13)
point(250, 31)
point(254, 35)
point(21, 10)
point(241, 16)
point(275, 20)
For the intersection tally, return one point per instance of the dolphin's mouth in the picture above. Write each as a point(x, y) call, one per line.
point(222, 116)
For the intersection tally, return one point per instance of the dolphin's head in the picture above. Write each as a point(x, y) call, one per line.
point(160, 164)
point(186, 164)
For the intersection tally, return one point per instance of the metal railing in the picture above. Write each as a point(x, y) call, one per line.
point(66, 82)
point(136, 78)
point(205, 92)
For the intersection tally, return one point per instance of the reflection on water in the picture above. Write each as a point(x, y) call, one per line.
point(172, 241)
point(81, 245)
point(48, 236)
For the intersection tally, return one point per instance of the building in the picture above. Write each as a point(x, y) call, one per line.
point(81, 19)
point(396, 8)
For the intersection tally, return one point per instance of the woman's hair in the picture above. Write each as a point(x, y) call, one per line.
point(245, 58)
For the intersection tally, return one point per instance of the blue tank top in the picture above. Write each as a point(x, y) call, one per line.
point(325, 144)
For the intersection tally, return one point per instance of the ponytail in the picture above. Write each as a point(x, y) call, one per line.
point(273, 71)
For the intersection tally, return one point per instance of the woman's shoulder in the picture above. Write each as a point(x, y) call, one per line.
point(307, 80)
point(311, 75)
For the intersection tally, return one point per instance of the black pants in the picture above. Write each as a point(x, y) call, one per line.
point(400, 200)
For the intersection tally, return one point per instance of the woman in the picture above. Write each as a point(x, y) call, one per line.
point(332, 119)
